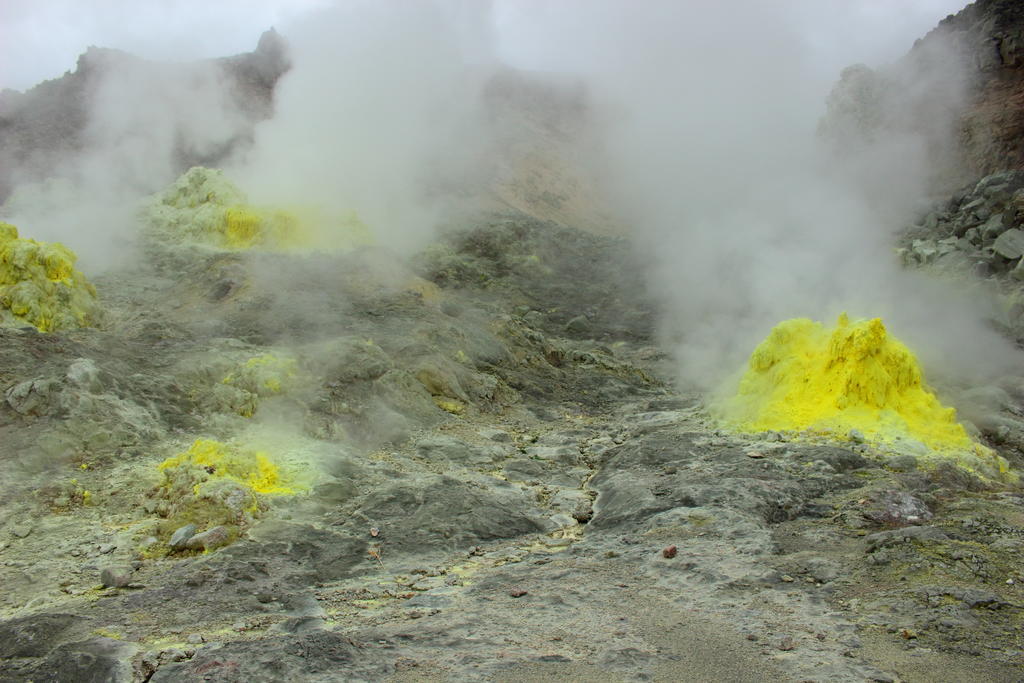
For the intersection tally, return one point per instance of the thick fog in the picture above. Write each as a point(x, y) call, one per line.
point(705, 119)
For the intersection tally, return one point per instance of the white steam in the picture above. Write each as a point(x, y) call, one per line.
point(708, 114)
point(380, 114)
point(714, 164)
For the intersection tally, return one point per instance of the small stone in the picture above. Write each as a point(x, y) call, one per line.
point(181, 537)
point(787, 644)
point(116, 577)
point(195, 639)
point(786, 578)
point(208, 540)
point(106, 548)
point(21, 530)
point(517, 592)
point(1010, 244)
point(856, 436)
point(669, 552)
point(1009, 582)
point(578, 325)
point(755, 454)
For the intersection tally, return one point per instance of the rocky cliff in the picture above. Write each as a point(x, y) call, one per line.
point(51, 124)
point(960, 89)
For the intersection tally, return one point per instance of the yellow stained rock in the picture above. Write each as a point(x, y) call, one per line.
point(853, 377)
point(252, 470)
point(40, 286)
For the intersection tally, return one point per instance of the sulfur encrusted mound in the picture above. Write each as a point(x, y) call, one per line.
point(204, 207)
point(39, 285)
point(855, 378)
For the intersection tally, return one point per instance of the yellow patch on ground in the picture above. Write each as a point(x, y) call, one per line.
point(854, 376)
point(40, 286)
point(254, 470)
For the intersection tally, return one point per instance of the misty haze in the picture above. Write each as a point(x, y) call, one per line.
point(512, 340)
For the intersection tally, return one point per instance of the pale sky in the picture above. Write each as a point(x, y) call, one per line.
point(41, 39)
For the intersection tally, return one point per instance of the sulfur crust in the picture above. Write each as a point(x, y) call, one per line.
point(855, 376)
point(204, 207)
point(40, 286)
point(253, 470)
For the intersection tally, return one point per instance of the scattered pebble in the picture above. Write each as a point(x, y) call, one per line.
point(208, 540)
point(787, 644)
point(669, 552)
point(116, 577)
point(517, 592)
point(182, 535)
point(21, 530)
point(195, 639)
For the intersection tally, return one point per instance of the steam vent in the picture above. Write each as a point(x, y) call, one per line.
point(851, 381)
point(39, 285)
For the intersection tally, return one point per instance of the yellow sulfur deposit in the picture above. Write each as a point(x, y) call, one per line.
point(40, 286)
point(204, 207)
point(253, 470)
point(263, 375)
point(854, 376)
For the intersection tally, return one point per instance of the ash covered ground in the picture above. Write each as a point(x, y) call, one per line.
point(480, 461)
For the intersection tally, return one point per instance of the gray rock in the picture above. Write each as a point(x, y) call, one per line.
point(1010, 244)
point(437, 448)
point(884, 539)
point(578, 325)
point(116, 577)
point(534, 318)
point(993, 227)
point(21, 530)
point(34, 397)
point(210, 539)
point(897, 508)
point(496, 435)
point(180, 537)
point(902, 463)
point(925, 251)
point(84, 375)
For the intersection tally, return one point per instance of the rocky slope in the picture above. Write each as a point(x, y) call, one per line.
point(476, 466)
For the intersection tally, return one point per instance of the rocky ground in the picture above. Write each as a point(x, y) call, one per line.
point(500, 482)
